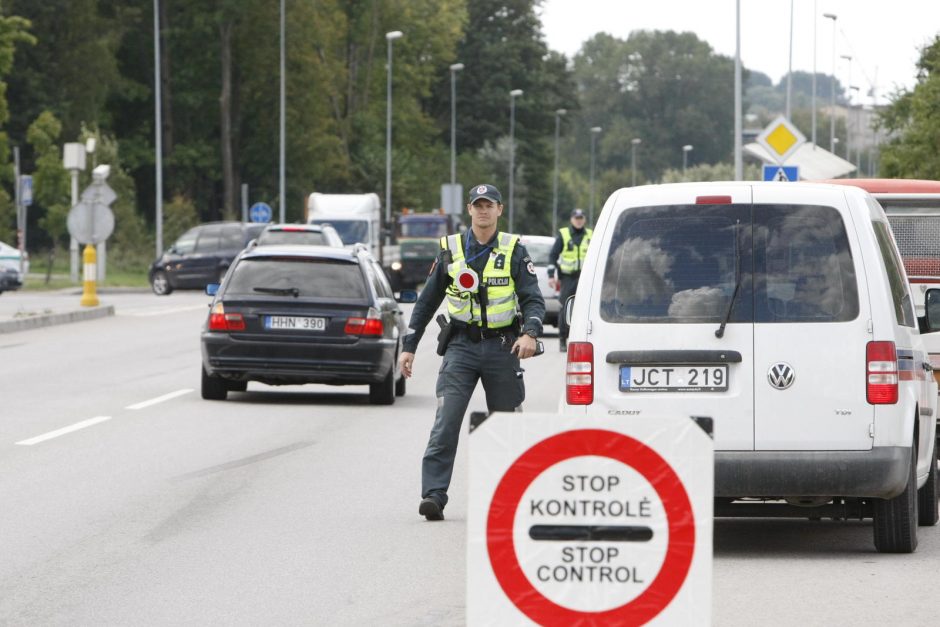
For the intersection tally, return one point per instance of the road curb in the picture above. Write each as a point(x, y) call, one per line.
point(47, 320)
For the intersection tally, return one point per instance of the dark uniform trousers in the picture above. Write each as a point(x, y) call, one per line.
point(569, 285)
point(465, 363)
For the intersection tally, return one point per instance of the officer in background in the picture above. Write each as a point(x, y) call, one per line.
point(567, 257)
point(487, 277)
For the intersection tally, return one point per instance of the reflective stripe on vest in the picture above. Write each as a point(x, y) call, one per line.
point(500, 287)
point(572, 257)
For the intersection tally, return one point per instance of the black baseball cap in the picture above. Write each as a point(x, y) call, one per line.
point(485, 191)
point(577, 213)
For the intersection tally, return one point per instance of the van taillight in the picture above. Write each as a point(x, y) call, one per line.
point(221, 321)
point(713, 200)
point(579, 377)
point(882, 373)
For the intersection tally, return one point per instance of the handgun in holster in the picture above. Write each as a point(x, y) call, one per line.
point(444, 335)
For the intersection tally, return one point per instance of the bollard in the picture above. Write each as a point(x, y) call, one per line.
point(90, 262)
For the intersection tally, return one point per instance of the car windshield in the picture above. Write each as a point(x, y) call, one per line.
point(298, 277)
point(350, 231)
point(315, 238)
point(424, 228)
point(539, 251)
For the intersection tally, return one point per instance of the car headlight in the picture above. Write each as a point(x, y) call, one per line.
point(396, 266)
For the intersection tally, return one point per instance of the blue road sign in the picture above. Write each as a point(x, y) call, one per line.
point(26, 190)
point(260, 212)
point(784, 173)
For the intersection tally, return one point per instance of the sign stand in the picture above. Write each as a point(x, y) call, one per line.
point(589, 520)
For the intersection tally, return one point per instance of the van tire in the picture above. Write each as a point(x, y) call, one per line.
point(895, 520)
point(383, 393)
point(927, 513)
point(213, 388)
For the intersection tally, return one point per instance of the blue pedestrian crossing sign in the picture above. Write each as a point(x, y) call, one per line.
point(784, 173)
point(260, 212)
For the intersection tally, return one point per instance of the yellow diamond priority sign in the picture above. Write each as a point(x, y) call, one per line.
point(781, 139)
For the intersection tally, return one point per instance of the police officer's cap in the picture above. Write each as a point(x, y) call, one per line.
point(485, 191)
point(577, 213)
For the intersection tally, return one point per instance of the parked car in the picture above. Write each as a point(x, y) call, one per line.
point(11, 277)
point(539, 247)
point(304, 314)
point(307, 234)
point(782, 312)
point(200, 256)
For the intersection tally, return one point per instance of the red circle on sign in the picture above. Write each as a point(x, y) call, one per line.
point(467, 279)
point(501, 547)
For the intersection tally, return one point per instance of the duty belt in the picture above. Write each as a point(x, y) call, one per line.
point(477, 333)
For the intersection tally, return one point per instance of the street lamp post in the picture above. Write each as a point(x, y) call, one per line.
point(389, 37)
point(633, 144)
point(848, 141)
point(855, 129)
point(515, 93)
point(685, 158)
point(558, 114)
point(832, 86)
point(738, 130)
point(456, 67)
point(813, 99)
point(594, 132)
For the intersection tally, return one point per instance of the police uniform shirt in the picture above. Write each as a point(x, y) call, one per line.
point(521, 269)
point(576, 236)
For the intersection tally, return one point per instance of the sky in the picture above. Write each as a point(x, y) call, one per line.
point(883, 38)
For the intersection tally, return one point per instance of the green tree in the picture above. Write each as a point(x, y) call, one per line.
point(13, 30)
point(913, 120)
point(666, 88)
point(50, 181)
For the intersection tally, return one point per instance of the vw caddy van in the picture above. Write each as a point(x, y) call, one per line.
point(782, 312)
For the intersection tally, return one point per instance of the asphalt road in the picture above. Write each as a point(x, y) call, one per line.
point(298, 505)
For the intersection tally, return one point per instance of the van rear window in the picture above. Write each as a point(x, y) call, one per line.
point(681, 263)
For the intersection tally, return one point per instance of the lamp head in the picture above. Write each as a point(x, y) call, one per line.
point(831, 16)
point(687, 147)
point(596, 129)
point(561, 111)
point(100, 173)
point(395, 34)
point(456, 67)
point(636, 140)
point(515, 92)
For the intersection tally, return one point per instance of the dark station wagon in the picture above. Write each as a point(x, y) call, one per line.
point(304, 314)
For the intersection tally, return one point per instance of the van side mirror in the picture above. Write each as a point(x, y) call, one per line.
point(932, 309)
point(569, 307)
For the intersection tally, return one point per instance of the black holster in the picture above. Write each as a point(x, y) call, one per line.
point(445, 334)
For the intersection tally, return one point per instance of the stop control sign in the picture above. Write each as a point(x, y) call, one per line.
point(589, 520)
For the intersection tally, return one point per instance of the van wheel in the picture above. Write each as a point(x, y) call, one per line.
point(383, 393)
point(213, 388)
point(400, 386)
point(160, 284)
point(927, 514)
point(896, 519)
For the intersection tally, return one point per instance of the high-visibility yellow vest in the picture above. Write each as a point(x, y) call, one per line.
point(572, 257)
point(500, 288)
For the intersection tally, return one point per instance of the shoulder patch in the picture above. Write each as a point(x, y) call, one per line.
point(531, 268)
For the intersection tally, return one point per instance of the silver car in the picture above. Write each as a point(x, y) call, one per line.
point(539, 247)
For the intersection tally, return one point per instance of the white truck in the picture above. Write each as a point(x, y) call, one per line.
point(356, 217)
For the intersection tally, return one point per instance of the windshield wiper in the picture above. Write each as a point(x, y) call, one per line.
point(737, 284)
point(281, 291)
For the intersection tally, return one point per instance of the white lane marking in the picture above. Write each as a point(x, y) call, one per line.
point(63, 430)
point(159, 399)
point(149, 311)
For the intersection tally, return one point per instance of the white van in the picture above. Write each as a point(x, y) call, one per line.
point(783, 313)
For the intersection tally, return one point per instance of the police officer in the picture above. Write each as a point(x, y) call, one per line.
point(567, 257)
point(486, 276)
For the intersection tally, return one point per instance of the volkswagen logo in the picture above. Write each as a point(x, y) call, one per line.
point(781, 375)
